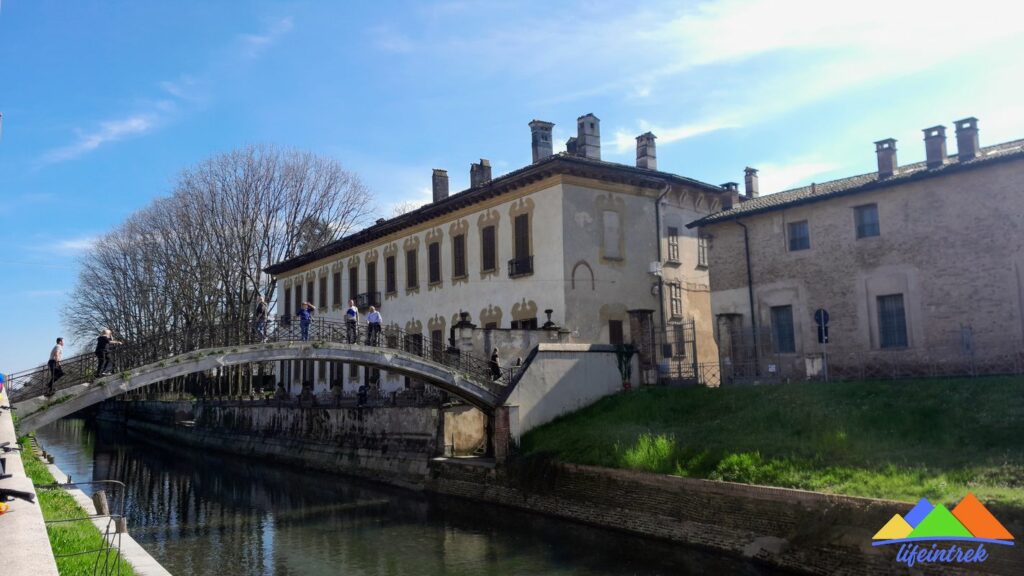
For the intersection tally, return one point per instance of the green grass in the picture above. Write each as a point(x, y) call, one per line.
point(900, 440)
point(68, 537)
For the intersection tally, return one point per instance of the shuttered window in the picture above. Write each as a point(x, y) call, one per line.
point(411, 278)
point(459, 256)
point(434, 257)
point(323, 292)
point(522, 236)
point(371, 279)
point(390, 282)
point(892, 321)
point(490, 255)
point(353, 283)
point(783, 339)
point(336, 281)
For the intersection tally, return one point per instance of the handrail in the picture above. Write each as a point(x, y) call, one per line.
point(82, 368)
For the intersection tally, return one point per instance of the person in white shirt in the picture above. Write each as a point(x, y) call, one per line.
point(351, 317)
point(373, 321)
point(56, 370)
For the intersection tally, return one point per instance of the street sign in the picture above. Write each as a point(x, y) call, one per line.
point(821, 317)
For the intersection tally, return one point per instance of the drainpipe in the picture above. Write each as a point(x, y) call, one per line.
point(750, 295)
point(657, 236)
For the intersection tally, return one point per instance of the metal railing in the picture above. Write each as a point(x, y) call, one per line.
point(520, 266)
point(163, 347)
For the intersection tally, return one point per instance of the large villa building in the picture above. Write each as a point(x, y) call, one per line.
point(603, 246)
point(920, 267)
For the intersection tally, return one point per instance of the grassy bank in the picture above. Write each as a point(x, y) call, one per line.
point(901, 440)
point(68, 537)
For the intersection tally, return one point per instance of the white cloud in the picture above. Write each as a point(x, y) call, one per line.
point(625, 140)
point(110, 131)
point(75, 245)
point(777, 178)
point(254, 44)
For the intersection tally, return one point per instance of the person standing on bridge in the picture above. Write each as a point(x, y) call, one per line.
point(351, 317)
point(305, 315)
point(56, 370)
point(261, 319)
point(103, 361)
point(495, 367)
point(373, 321)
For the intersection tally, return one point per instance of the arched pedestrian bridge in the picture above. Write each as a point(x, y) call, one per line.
point(142, 364)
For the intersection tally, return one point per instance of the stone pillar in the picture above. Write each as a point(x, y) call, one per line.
point(501, 436)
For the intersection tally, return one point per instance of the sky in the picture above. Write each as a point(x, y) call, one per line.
point(104, 103)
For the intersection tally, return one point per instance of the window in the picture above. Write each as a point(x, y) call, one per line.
point(371, 281)
point(675, 292)
point(298, 297)
point(679, 335)
point(783, 340)
point(323, 292)
point(489, 248)
point(892, 322)
point(673, 244)
point(702, 251)
point(528, 324)
point(615, 332)
point(336, 281)
point(434, 262)
point(866, 219)
point(799, 236)
point(309, 292)
point(459, 256)
point(411, 279)
point(612, 234)
point(287, 305)
point(353, 283)
point(353, 372)
point(321, 366)
point(390, 282)
point(522, 236)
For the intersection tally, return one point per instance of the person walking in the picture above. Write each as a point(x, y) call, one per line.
point(104, 365)
point(305, 315)
point(261, 319)
point(54, 364)
point(351, 317)
point(373, 321)
point(495, 367)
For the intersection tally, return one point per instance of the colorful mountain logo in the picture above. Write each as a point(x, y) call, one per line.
point(969, 521)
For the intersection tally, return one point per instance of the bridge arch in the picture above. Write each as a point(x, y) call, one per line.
point(38, 413)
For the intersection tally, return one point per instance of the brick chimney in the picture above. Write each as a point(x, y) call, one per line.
point(750, 182)
point(966, 138)
point(540, 132)
point(588, 136)
point(479, 174)
point(935, 146)
point(886, 152)
point(731, 195)
point(440, 184)
point(570, 147)
point(646, 155)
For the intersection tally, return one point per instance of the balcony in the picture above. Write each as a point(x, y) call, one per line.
point(520, 267)
point(367, 299)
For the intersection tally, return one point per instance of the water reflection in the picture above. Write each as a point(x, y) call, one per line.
point(202, 513)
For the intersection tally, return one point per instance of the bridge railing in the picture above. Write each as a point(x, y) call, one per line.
point(128, 356)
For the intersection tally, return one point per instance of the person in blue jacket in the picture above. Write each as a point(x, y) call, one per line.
point(305, 315)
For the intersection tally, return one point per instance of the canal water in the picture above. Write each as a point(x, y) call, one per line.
point(199, 513)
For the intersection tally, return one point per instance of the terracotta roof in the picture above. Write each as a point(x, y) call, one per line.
point(557, 164)
point(862, 183)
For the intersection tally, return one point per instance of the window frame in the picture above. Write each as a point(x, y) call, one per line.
point(336, 285)
point(792, 240)
point(412, 280)
point(702, 251)
point(675, 292)
point(353, 283)
point(390, 274)
point(490, 255)
point(620, 331)
point(672, 233)
point(434, 263)
point(889, 326)
point(371, 279)
point(460, 267)
point(863, 229)
point(322, 297)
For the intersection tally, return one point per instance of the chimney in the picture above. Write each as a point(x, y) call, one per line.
point(935, 146)
point(588, 136)
point(479, 174)
point(731, 196)
point(440, 184)
point(966, 138)
point(750, 182)
point(570, 146)
point(886, 152)
point(540, 132)
point(646, 156)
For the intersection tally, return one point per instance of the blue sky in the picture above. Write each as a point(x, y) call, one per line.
point(103, 103)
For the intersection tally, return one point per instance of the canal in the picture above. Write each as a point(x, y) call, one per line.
point(199, 513)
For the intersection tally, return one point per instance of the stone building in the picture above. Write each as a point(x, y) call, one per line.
point(920, 267)
point(603, 246)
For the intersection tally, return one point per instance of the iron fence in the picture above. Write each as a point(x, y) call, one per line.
point(129, 356)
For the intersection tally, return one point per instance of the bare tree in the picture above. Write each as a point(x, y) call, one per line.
point(197, 256)
point(404, 208)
